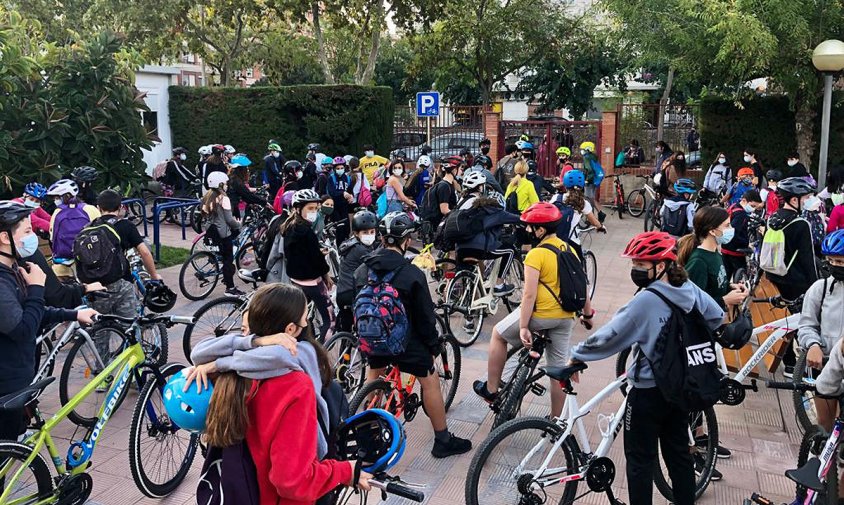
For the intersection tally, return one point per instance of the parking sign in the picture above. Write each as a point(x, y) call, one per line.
point(428, 104)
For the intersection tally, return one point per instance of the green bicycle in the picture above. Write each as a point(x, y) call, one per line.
point(160, 453)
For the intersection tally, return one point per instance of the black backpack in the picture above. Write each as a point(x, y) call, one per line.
point(572, 279)
point(685, 368)
point(430, 208)
point(565, 226)
point(675, 221)
point(511, 204)
point(462, 225)
point(98, 255)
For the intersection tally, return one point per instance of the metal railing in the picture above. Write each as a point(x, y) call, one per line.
point(169, 203)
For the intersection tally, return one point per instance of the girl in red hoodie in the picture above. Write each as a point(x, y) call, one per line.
point(277, 415)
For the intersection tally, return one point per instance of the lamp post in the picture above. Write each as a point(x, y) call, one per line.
point(828, 57)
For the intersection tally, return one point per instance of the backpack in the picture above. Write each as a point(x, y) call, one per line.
point(462, 225)
point(365, 195)
point(772, 253)
point(276, 261)
point(69, 221)
point(572, 279)
point(430, 209)
point(738, 191)
point(675, 222)
point(511, 203)
point(564, 229)
point(380, 318)
point(98, 255)
point(160, 170)
point(685, 368)
point(381, 205)
point(599, 172)
point(619, 160)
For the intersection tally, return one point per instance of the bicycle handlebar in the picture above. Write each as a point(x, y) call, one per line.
point(778, 301)
point(791, 386)
point(394, 488)
point(151, 318)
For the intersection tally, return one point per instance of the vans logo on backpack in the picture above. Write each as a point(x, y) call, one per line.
point(700, 354)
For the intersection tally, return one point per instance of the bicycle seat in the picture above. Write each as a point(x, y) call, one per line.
point(807, 475)
point(564, 373)
point(22, 398)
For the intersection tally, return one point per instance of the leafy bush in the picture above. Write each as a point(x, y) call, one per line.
point(340, 118)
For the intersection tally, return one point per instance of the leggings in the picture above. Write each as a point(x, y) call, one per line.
point(506, 256)
point(318, 295)
point(227, 254)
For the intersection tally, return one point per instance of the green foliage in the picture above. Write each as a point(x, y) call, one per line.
point(288, 60)
point(341, 118)
point(170, 256)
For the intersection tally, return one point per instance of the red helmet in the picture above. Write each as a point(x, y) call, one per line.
point(652, 246)
point(745, 172)
point(451, 162)
point(542, 213)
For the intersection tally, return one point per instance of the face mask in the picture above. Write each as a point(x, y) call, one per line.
point(311, 216)
point(183, 157)
point(748, 208)
point(583, 151)
point(485, 150)
point(534, 240)
point(681, 159)
point(57, 201)
point(299, 174)
point(367, 239)
point(641, 277)
point(658, 149)
point(340, 171)
point(747, 159)
point(398, 171)
point(812, 203)
point(369, 154)
point(30, 203)
point(276, 154)
point(837, 272)
point(791, 163)
point(727, 236)
point(29, 244)
point(747, 180)
point(561, 160)
point(326, 211)
point(722, 160)
point(837, 198)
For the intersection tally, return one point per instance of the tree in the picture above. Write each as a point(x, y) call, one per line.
point(288, 59)
point(393, 69)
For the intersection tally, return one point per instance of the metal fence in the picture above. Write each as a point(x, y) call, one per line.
point(639, 122)
point(547, 136)
point(456, 127)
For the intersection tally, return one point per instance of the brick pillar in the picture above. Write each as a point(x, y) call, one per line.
point(608, 151)
point(492, 127)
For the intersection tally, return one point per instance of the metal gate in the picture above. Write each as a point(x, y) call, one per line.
point(456, 127)
point(639, 122)
point(547, 136)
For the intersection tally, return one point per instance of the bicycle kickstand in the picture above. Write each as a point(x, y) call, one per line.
point(612, 498)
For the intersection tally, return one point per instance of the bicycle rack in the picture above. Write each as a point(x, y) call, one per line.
point(143, 211)
point(169, 203)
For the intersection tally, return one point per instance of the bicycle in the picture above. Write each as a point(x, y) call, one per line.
point(637, 200)
point(150, 423)
point(523, 460)
point(590, 262)
point(46, 348)
point(619, 203)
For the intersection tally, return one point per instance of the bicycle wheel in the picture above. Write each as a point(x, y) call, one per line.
point(590, 264)
point(636, 202)
point(83, 363)
point(160, 453)
point(34, 484)
point(348, 364)
point(134, 213)
point(514, 393)
point(196, 219)
point(464, 325)
point(156, 342)
point(246, 257)
point(619, 202)
point(447, 365)
point(804, 401)
point(199, 275)
point(650, 216)
point(504, 466)
point(811, 446)
point(214, 319)
point(148, 197)
point(515, 275)
point(740, 276)
point(378, 394)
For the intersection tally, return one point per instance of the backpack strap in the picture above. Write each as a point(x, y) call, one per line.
point(557, 252)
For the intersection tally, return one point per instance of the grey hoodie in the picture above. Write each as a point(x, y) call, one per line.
point(638, 324)
point(822, 324)
point(234, 353)
point(669, 204)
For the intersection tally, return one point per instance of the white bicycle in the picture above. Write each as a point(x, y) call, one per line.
point(533, 460)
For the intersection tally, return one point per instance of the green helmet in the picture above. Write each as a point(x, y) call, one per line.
point(274, 147)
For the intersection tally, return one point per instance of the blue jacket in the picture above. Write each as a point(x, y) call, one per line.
point(336, 188)
point(490, 240)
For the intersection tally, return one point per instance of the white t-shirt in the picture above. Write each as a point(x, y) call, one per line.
point(578, 216)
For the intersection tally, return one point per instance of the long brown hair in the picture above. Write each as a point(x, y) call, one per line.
point(292, 220)
point(272, 308)
point(211, 200)
point(575, 199)
point(706, 220)
point(239, 173)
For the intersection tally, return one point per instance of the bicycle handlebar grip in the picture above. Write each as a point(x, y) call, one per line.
point(405, 492)
point(182, 319)
point(791, 386)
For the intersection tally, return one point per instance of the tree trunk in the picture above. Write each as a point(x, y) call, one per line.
point(663, 102)
point(805, 116)
point(376, 21)
point(323, 57)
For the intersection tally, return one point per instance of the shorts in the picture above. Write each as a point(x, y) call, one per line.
point(589, 191)
point(415, 360)
point(559, 331)
point(831, 380)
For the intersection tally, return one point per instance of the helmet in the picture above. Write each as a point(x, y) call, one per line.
point(305, 196)
point(353, 161)
point(563, 150)
point(187, 409)
point(158, 297)
point(451, 162)
point(339, 160)
point(347, 158)
point(795, 186)
point(736, 333)
point(426, 149)
point(685, 186)
point(273, 147)
point(652, 246)
point(532, 166)
point(524, 137)
point(374, 437)
point(542, 214)
point(287, 198)
point(520, 143)
point(218, 149)
point(484, 161)
point(465, 152)
point(215, 179)
point(292, 166)
point(833, 244)
point(11, 213)
point(588, 146)
point(364, 220)
point(484, 141)
point(84, 174)
point(424, 161)
point(526, 146)
point(327, 160)
point(745, 172)
point(179, 150)
point(773, 175)
point(473, 179)
point(35, 190)
point(396, 225)
point(204, 151)
point(240, 161)
point(400, 154)
point(63, 187)
point(230, 149)
point(574, 179)
point(313, 147)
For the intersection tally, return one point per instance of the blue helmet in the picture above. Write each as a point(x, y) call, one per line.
point(240, 160)
point(574, 179)
point(374, 437)
point(833, 244)
point(527, 146)
point(187, 409)
point(328, 160)
point(686, 186)
point(35, 190)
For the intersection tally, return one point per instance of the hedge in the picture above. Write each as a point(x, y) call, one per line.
point(340, 118)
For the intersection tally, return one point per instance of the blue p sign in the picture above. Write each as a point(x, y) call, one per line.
point(428, 104)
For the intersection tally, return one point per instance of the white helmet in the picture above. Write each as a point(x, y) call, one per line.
point(215, 179)
point(205, 150)
point(473, 179)
point(424, 161)
point(348, 157)
point(63, 187)
point(230, 149)
point(305, 196)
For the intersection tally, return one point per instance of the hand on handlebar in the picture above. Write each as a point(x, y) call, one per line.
point(602, 229)
point(86, 316)
point(362, 482)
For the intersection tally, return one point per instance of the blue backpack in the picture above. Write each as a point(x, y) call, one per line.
point(565, 227)
point(380, 317)
point(599, 172)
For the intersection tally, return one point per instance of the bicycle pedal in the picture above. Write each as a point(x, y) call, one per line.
point(538, 389)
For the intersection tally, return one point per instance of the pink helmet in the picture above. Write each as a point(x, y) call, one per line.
point(339, 160)
point(287, 198)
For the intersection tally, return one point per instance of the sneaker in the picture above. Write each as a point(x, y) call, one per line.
point(469, 325)
point(246, 275)
point(699, 463)
point(503, 290)
point(721, 452)
point(480, 389)
point(788, 372)
point(601, 216)
point(233, 291)
point(454, 446)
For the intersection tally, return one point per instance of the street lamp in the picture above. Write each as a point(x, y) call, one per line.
point(828, 57)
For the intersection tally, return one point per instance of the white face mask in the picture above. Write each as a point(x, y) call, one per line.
point(722, 160)
point(746, 158)
point(276, 154)
point(837, 198)
point(791, 163)
point(30, 203)
point(369, 154)
point(299, 174)
point(341, 171)
point(812, 203)
point(183, 157)
point(583, 151)
point(398, 171)
point(367, 239)
point(311, 216)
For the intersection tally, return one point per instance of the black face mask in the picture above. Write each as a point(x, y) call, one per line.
point(485, 150)
point(837, 272)
point(641, 277)
point(534, 240)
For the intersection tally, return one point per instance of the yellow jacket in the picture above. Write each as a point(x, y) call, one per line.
point(525, 193)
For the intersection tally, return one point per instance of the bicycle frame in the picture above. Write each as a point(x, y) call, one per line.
point(68, 333)
point(482, 290)
point(401, 389)
point(827, 459)
point(780, 327)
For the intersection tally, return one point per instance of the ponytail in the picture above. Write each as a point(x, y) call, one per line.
point(228, 419)
point(685, 246)
point(676, 274)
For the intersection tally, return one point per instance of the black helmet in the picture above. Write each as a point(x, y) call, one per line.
point(158, 297)
point(794, 186)
point(532, 166)
point(396, 226)
point(484, 161)
point(484, 142)
point(11, 213)
point(465, 152)
point(773, 175)
point(354, 162)
point(84, 174)
point(400, 154)
point(364, 220)
point(179, 150)
point(426, 149)
point(736, 333)
point(292, 166)
point(313, 147)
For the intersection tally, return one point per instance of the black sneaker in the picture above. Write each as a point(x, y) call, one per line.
point(721, 452)
point(503, 290)
point(454, 446)
point(788, 372)
point(480, 389)
point(233, 291)
point(699, 464)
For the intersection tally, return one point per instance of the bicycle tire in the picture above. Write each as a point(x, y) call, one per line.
point(591, 277)
point(804, 401)
point(43, 482)
point(636, 202)
point(474, 480)
point(199, 330)
point(74, 372)
point(157, 431)
point(204, 267)
point(514, 394)
point(515, 275)
point(619, 201)
point(246, 257)
point(348, 364)
point(739, 276)
point(199, 246)
point(360, 399)
point(448, 386)
point(163, 344)
point(148, 196)
point(460, 293)
point(810, 446)
point(650, 216)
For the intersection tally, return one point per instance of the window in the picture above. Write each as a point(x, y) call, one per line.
point(249, 73)
point(192, 80)
point(150, 119)
point(461, 142)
